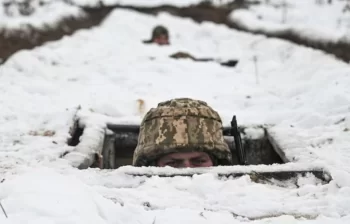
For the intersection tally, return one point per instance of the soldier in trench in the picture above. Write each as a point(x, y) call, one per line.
point(160, 36)
point(182, 133)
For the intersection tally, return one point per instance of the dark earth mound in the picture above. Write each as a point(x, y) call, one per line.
point(13, 40)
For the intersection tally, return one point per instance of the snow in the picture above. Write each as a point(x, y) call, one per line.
point(41, 17)
point(254, 133)
point(91, 144)
point(136, 2)
point(105, 70)
point(301, 12)
point(297, 17)
point(148, 3)
point(48, 13)
point(78, 196)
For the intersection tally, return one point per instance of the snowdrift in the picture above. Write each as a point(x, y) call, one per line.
point(107, 69)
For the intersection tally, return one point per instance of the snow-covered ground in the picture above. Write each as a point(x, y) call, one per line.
point(326, 22)
point(39, 14)
point(107, 69)
point(148, 3)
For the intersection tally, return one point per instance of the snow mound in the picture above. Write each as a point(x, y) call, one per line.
point(57, 198)
point(105, 70)
point(80, 196)
point(148, 3)
point(297, 17)
point(23, 14)
point(303, 92)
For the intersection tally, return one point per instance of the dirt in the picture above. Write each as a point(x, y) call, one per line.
point(10, 44)
point(14, 40)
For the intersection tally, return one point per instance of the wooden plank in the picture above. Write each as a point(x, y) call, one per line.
point(256, 176)
point(89, 151)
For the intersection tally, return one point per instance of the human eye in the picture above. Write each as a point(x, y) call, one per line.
point(173, 163)
point(200, 160)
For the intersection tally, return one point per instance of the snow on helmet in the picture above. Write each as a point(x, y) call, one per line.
point(181, 125)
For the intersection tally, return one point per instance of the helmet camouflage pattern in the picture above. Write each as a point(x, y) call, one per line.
point(159, 30)
point(181, 125)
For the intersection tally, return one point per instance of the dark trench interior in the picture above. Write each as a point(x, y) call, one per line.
point(120, 142)
point(261, 148)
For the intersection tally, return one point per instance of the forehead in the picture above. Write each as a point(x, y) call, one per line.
point(185, 155)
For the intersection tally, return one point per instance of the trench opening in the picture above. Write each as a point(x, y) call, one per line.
point(118, 143)
point(121, 140)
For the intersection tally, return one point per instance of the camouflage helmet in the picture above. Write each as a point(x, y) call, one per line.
point(159, 30)
point(181, 125)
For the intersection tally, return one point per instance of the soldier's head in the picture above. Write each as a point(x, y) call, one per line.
point(182, 132)
point(160, 35)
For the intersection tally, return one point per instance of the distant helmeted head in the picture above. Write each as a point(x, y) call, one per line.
point(181, 125)
point(160, 35)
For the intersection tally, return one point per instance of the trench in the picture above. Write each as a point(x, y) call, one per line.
point(117, 143)
point(121, 141)
point(220, 15)
point(15, 40)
